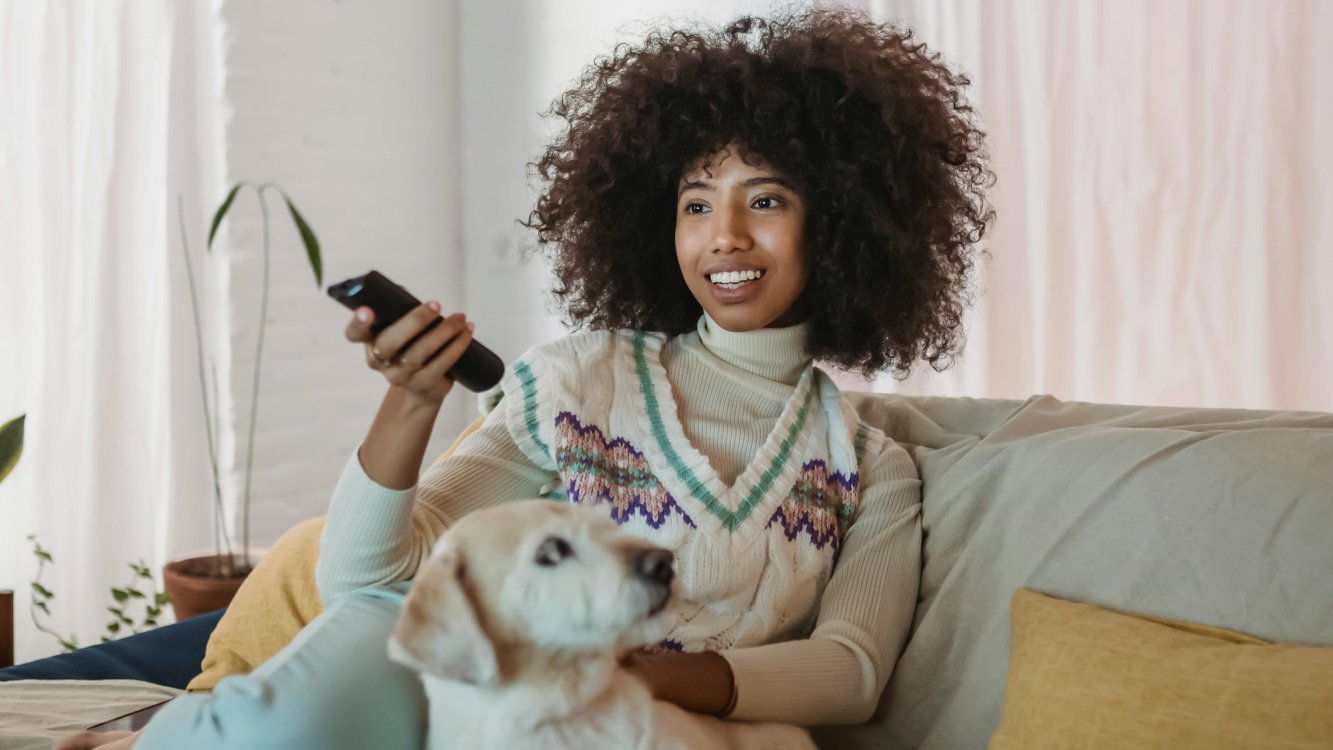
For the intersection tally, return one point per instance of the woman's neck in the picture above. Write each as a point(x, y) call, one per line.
point(773, 353)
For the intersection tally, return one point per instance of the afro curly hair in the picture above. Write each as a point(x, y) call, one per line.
point(874, 129)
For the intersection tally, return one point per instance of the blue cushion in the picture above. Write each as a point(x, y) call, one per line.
point(169, 655)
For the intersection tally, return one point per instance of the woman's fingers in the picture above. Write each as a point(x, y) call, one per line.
point(418, 352)
point(387, 343)
point(428, 377)
point(415, 352)
point(358, 328)
point(391, 341)
point(421, 367)
point(374, 362)
point(444, 360)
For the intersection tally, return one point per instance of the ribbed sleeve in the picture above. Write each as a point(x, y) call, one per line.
point(836, 676)
point(373, 535)
point(364, 533)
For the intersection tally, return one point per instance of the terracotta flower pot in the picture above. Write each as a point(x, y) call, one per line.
point(196, 586)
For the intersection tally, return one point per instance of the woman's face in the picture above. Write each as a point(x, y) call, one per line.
point(739, 242)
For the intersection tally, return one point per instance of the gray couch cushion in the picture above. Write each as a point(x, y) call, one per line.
point(1223, 517)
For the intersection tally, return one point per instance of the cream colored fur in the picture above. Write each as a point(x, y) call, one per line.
point(516, 653)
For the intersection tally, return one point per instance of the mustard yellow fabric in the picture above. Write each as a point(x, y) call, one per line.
point(1086, 677)
point(276, 600)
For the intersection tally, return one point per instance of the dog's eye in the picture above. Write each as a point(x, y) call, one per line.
point(553, 550)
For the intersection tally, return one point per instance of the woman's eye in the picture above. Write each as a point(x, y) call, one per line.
point(766, 202)
point(695, 208)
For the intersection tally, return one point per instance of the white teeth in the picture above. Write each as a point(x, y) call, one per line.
point(734, 277)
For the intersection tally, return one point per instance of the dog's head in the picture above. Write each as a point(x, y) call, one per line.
point(540, 575)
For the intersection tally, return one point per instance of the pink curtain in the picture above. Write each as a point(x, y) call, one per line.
point(1164, 199)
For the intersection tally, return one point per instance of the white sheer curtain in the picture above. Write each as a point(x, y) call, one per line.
point(92, 302)
point(1164, 195)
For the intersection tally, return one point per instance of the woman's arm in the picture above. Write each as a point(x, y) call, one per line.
point(393, 450)
point(375, 535)
point(837, 675)
point(379, 526)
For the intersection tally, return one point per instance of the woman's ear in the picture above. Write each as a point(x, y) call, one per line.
point(438, 631)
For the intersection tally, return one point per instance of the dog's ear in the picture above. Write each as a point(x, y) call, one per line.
point(438, 631)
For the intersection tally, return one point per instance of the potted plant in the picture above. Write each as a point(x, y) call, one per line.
point(11, 447)
point(202, 584)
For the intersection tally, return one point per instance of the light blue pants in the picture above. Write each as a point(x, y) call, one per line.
point(332, 688)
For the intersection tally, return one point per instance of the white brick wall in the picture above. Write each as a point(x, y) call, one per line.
point(352, 107)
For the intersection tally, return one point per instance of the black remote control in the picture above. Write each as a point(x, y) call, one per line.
point(477, 370)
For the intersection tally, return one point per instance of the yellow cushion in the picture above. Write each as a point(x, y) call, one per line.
point(1082, 676)
point(276, 600)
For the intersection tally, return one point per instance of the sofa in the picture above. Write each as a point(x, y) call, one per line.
point(1222, 517)
point(1178, 520)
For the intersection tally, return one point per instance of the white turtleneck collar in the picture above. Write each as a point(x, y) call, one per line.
point(773, 353)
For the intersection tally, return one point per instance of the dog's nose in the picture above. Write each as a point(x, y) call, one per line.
point(654, 566)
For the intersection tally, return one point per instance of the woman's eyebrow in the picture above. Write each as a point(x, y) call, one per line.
point(752, 182)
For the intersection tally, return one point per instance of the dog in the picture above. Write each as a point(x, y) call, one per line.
point(517, 622)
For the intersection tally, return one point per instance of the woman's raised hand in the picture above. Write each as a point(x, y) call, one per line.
point(416, 351)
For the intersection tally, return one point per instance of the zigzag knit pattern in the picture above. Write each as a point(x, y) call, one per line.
point(598, 471)
point(819, 503)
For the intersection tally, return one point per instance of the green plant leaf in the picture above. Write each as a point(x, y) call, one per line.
point(311, 244)
point(71, 645)
point(120, 594)
point(114, 627)
point(43, 555)
point(42, 607)
point(221, 212)
point(11, 443)
point(39, 588)
point(162, 598)
point(150, 622)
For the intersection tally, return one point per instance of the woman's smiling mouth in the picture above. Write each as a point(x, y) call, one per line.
point(736, 286)
point(734, 279)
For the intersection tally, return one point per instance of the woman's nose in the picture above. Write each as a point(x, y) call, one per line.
point(731, 231)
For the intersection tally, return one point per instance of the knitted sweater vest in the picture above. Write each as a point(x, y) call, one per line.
point(752, 558)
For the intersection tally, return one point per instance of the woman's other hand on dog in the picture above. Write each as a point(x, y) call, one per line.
point(408, 355)
point(413, 360)
point(699, 682)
